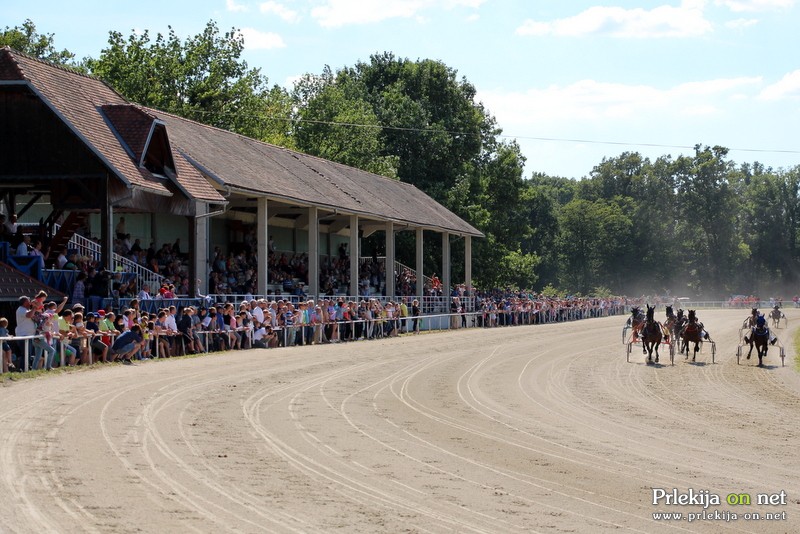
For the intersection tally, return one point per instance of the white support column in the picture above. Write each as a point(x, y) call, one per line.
point(420, 267)
point(201, 248)
point(355, 254)
point(262, 245)
point(468, 262)
point(446, 264)
point(390, 282)
point(313, 252)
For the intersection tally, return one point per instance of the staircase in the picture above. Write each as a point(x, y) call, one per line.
point(65, 232)
point(87, 247)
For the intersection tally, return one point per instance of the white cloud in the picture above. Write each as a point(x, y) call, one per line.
point(257, 40)
point(231, 5)
point(275, 8)
point(787, 87)
point(755, 5)
point(590, 100)
point(738, 24)
point(662, 21)
point(336, 13)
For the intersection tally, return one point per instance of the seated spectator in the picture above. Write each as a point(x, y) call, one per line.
point(24, 247)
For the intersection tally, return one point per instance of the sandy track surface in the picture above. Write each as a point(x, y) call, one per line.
point(527, 429)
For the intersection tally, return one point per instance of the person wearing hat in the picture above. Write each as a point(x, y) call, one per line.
point(95, 342)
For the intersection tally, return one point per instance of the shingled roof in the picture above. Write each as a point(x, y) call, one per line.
point(102, 119)
point(14, 283)
point(247, 164)
point(114, 129)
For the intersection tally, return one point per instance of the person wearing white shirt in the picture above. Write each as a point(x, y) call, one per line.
point(62, 259)
point(171, 323)
point(24, 248)
point(256, 311)
point(144, 294)
point(37, 251)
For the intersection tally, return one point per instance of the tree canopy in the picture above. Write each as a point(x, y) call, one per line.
point(26, 39)
point(201, 78)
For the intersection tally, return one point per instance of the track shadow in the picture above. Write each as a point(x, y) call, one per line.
point(698, 364)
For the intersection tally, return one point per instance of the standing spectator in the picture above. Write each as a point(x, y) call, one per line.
point(120, 229)
point(62, 259)
point(27, 327)
point(10, 225)
point(6, 348)
point(415, 315)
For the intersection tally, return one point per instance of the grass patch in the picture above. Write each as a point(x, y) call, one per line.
point(39, 373)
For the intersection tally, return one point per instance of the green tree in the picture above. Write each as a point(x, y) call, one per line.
point(706, 228)
point(418, 121)
point(26, 39)
point(593, 234)
point(336, 123)
point(201, 78)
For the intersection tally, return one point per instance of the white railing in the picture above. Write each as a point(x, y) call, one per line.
point(91, 249)
point(398, 268)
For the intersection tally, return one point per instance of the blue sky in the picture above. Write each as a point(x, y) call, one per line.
point(573, 82)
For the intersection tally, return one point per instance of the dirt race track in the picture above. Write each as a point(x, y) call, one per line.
point(527, 429)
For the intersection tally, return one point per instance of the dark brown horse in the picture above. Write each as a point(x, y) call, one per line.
point(776, 315)
point(692, 332)
point(651, 334)
point(760, 337)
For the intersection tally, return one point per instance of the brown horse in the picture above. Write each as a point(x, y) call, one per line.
point(776, 315)
point(760, 337)
point(692, 333)
point(651, 334)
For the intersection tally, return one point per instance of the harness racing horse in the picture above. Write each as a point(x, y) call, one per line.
point(776, 315)
point(692, 332)
point(759, 336)
point(651, 334)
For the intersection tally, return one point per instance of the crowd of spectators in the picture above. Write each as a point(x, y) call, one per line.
point(60, 335)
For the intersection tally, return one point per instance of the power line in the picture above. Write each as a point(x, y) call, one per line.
point(510, 136)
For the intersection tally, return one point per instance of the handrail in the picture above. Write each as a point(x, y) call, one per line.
point(89, 248)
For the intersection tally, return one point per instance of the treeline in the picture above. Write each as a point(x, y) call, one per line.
point(699, 225)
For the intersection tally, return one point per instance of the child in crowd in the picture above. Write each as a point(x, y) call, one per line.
point(8, 365)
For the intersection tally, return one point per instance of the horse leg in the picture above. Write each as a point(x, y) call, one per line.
point(750, 342)
point(696, 348)
point(657, 344)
